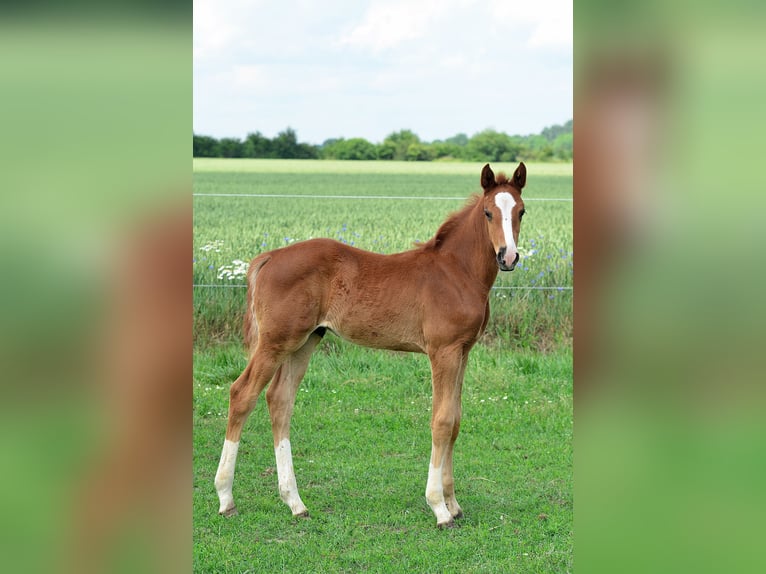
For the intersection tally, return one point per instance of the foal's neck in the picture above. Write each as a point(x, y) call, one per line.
point(468, 242)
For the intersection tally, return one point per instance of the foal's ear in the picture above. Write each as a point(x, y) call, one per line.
point(487, 178)
point(520, 176)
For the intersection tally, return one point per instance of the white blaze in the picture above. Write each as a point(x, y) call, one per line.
point(506, 203)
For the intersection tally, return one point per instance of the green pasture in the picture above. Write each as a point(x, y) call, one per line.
point(360, 434)
point(361, 444)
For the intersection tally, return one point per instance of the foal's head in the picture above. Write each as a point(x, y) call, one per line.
point(503, 209)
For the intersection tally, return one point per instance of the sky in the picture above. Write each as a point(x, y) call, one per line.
point(367, 68)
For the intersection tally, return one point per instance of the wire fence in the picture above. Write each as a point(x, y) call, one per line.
point(404, 197)
point(496, 288)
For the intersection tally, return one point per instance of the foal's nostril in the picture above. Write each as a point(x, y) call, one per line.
point(516, 260)
point(501, 254)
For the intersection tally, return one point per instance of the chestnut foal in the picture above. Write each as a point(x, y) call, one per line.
point(433, 299)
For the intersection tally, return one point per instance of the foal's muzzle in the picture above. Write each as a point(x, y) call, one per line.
point(501, 262)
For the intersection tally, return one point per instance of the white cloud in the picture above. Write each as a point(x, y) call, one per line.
point(213, 29)
point(271, 80)
point(548, 22)
point(387, 25)
point(256, 78)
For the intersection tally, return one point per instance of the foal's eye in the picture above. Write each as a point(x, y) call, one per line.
point(488, 214)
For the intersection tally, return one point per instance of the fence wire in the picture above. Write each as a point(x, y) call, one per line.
point(496, 288)
point(294, 196)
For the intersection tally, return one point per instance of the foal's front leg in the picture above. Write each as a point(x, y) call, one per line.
point(445, 421)
point(448, 479)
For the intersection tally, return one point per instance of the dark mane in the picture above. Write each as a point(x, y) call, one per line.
point(450, 224)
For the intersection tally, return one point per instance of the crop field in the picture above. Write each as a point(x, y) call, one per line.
point(360, 431)
point(229, 231)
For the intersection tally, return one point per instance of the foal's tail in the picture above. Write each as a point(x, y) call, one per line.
point(250, 326)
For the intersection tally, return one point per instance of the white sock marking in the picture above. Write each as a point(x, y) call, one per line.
point(224, 478)
point(435, 495)
point(288, 487)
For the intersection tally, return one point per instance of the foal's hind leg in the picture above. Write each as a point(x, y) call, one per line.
point(281, 399)
point(242, 398)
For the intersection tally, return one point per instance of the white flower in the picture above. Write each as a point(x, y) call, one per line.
point(237, 270)
point(212, 246)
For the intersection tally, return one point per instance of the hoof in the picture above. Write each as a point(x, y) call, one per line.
point(304, 514)
point(445, 525)
point(231, 511)
point(459, 515)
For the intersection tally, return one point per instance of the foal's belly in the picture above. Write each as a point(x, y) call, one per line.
point(376, 336)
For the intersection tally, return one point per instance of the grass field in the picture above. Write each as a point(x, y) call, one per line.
point(360, 435)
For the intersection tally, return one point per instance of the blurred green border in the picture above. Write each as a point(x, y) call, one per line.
point(96, 138)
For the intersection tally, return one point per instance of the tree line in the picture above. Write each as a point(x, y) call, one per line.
point(554, 143)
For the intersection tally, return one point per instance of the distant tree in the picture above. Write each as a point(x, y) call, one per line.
point(401, 142)
point(458, 139)
point(447, 150)
point(329, 142)
point(354, 148)
point(552, 143)
point(205, 146)
point(490, 145)
point(307, 151)
point(231, 147)
point(533, 147)
point(418, 151)
point(545, 153)
point(358, 148)
point(286, 146)
point(329, 148)
point(386, 150)
point(552, 132)
point(562, 147)
point(257, 145)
